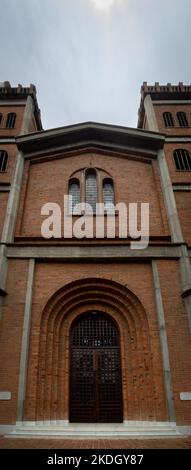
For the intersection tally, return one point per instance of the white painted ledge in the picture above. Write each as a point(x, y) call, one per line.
point(5, 395)
point(185, 396)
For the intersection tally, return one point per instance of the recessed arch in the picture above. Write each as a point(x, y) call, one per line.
point(50, 400)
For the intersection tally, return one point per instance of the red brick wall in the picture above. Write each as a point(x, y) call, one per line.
point(3, 205)
point(183, 199)
point(178, 337)
point(177, 176)
point(183, 203)
point(6, 176)
point(19, 110)
point(138, 279)
point(173, 109)
point(134, 181)
point(10, 336)
point(49, 277)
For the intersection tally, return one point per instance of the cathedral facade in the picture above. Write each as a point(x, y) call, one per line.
point(95, 334)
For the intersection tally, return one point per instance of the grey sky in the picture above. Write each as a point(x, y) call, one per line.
point(89, 64)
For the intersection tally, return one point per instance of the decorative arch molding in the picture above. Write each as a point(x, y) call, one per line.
point(76, 173)
point(140, 397)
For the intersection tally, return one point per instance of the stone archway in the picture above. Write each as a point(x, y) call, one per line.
point(50, 402)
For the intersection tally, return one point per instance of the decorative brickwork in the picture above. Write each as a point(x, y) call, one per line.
point(141, 398)
point(46, 284)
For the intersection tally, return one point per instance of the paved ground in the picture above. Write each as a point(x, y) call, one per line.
point(46, 443)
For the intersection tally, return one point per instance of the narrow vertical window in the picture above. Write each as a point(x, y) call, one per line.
point(74, 191)
point(168, 119)
point(3, 160)
point(11, 118)
point(182, 119)
point(1, 117)
point(91, 189)
point(108, 195)
point(182, 159)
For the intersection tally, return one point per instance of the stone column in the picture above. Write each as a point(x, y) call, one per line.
point(150, 114)
point(25, 341)
point(163, 343)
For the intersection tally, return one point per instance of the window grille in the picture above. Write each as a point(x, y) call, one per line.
point(182, 159)
point(108, 196)
point(182, 119)
point(74, 191)
point(11, 118)
point(91, 189)
point(168, 119)
point(95, 374)
point(3, 160)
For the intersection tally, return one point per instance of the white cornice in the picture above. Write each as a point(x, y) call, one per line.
point(13, 102)
point(175, 102)
point(178, 139)
point(7, 140)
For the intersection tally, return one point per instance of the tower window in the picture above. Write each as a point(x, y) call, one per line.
point(182, 159)
point(74, 191)
point(91, 188)
point(11, 118)
point(3, 160)
point(168, 119)
point(108, 195)
point(182, 119)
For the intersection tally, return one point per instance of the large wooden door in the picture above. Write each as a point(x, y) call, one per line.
point(95, 371)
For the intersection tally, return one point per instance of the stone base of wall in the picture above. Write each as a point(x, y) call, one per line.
point(127, 429)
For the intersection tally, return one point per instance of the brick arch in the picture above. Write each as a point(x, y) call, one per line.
point(52, 388)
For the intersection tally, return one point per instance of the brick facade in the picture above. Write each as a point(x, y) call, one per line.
point(147, 294)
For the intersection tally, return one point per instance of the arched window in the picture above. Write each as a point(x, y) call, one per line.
point(3, 160)
point(182, 159)
point(11, 118)
point(1, 117)
point(182, 119)
point(168, 119)
point(74, 191)
point(108, 195)
point(91, 188)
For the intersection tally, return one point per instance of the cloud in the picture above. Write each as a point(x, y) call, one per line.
point(90, 66)
point(103, 5)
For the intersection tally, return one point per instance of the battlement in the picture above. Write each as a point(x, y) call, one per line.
point(6, 88)
point(159, 92)
point(20, 92)
point(169, 88)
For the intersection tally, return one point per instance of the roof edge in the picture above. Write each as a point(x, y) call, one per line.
point(90, 132)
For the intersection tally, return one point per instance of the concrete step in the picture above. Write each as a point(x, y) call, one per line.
point(127, 429)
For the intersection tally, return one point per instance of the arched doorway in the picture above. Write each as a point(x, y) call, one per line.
point(49, 369)
point(95, 370)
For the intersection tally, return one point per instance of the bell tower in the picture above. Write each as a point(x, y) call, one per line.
point(19, 114)
point(167, 109)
